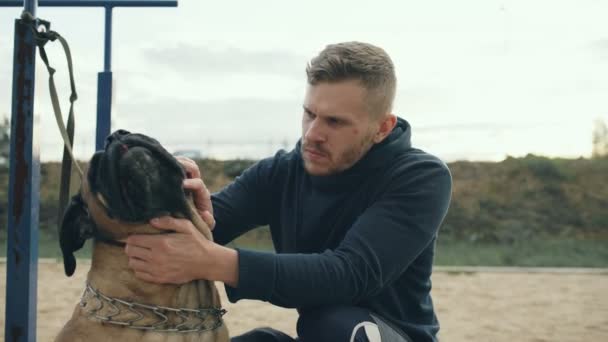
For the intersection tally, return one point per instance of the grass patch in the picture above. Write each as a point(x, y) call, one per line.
point(48, 246)
point(528, 253)
point(257, 239)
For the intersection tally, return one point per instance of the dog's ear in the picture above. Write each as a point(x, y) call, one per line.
point(76, 227)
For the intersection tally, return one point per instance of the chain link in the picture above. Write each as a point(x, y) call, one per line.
point(161, 314)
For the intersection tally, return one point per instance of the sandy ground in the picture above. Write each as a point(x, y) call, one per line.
point(471, 306)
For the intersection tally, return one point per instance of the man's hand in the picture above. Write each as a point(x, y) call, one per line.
point(180, 257)
point(200, 193)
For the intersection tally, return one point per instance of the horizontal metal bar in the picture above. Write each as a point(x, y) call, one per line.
point(93, 3)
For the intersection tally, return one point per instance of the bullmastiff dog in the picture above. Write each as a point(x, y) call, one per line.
point(129, 182)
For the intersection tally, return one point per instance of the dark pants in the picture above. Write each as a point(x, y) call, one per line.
point(330, 324)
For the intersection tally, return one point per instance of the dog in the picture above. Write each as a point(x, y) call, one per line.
point(131, 181)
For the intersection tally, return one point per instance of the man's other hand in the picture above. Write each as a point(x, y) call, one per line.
point(201, 195)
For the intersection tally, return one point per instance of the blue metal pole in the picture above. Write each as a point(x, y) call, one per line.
point(104, 108)
point(104, 88)
point(107, 60)
point(24, 184)
point(30, 6)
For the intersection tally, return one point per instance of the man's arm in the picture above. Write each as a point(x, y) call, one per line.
point(379, 247)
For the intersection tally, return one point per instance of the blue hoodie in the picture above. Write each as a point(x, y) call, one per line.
point(363, 237)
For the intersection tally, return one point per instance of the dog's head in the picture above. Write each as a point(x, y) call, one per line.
point(131, 181)
point(136, 178)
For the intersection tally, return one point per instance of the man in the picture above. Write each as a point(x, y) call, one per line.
point(353, 212)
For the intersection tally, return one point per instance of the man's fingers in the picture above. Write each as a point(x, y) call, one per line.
point(190, 166)
point(143, 241)
point(170, 223)
point(139, 265)
point(200, 193)
point(141, 253)
point(209, 220)
point(146, 277)
point(195, 184)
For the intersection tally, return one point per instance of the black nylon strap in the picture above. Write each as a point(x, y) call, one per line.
point(67, 134)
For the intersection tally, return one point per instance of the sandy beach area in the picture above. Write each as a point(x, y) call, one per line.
point(472, 305)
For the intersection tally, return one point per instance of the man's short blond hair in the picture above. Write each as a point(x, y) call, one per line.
point(366, 63)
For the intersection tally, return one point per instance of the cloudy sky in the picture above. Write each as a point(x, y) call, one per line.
point(478, 79)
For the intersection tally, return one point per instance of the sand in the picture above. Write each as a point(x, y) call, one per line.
point(471, 306)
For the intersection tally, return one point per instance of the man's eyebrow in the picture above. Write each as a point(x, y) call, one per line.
point(306, 109)
point(332, 117)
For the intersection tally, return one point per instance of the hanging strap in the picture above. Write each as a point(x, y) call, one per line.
point(67, 134)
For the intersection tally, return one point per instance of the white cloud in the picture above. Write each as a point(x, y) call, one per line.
point(486, 78)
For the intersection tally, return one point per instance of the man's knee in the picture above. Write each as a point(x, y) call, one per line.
point(336, 324)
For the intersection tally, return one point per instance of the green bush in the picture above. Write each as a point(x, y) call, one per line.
point(506, 202)
point(543, 168)
point(234, 168)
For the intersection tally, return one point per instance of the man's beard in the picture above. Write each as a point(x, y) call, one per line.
point(345, 161)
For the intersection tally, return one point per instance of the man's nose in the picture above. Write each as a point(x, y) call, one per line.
point(315, 131)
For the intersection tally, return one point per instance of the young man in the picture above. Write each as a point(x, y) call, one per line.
point(353, 211)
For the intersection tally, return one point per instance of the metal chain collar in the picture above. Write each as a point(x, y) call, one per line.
point(162, 314)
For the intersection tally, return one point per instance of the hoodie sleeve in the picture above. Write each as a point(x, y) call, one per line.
point(378, 248)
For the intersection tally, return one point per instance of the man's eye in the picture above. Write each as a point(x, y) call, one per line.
point(309, 115)
point(334, 121)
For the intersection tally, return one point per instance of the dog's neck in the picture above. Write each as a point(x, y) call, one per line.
point(110, 272)
point(111, 275)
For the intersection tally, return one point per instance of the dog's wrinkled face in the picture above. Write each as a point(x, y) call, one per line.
point(136, 178)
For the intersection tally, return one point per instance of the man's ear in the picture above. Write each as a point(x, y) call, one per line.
point(387, 124)
point(76, 227)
